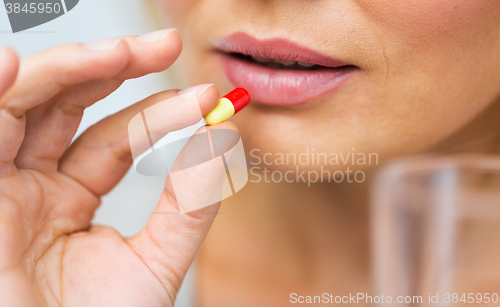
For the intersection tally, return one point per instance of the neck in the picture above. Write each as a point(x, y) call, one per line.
point(291, 236)
point(481, 135)
point(302, 234)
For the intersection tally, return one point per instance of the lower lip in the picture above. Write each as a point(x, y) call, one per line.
point(284, 87)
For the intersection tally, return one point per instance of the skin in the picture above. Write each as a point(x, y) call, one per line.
point(429, 81)
point(427, 69)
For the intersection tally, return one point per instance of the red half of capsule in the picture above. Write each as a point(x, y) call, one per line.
point(239, 97)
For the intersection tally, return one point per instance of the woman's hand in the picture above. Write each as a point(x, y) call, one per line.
point(50, 255)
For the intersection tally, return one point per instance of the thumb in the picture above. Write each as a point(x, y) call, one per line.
point(196, 184)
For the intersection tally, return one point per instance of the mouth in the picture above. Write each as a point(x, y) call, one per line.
point(280, 72)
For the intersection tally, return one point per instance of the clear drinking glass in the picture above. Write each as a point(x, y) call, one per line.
point(436, 232)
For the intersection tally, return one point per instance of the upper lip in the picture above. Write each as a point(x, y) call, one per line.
point(274, 48)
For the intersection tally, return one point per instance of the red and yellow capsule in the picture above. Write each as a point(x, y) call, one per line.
point(228, 105)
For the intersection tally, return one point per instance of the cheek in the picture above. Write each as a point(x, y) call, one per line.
point(431, 20)
point(442, 56)
point(178, 11)
point(432, 35)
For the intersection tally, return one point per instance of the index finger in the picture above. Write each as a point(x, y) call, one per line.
point(150, 125)
point(101, 156)
point(9, 64)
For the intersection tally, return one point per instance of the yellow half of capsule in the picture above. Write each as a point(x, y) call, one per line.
point(222, 112)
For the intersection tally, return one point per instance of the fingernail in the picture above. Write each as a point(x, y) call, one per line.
point(197, 90)
point(102, 44)
point(155, 36)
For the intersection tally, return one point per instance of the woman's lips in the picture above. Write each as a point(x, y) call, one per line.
point(283, 87)
point(276, 86)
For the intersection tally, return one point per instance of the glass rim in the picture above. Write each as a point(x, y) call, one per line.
point(425, 163)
